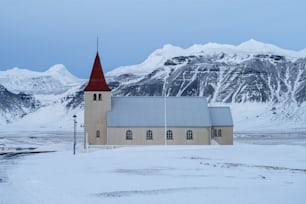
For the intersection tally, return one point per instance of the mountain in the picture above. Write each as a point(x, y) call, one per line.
point(38, 99)
point(250, 72)
point(221, 78)
point(264, 85)
point(245, 49)
point(14, 106)
point(55, 80)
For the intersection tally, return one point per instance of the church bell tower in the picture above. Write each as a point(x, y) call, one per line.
point(97, 99)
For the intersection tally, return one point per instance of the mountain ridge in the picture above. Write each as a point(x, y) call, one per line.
point(57, 79)
point(250, 47)
point(273, 83)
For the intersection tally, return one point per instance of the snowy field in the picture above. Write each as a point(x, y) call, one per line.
point(258, 168)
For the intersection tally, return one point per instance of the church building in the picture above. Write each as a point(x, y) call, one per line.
point(150, 120)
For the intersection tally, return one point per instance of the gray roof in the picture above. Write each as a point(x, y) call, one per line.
point(221, 116)
point(150, 112)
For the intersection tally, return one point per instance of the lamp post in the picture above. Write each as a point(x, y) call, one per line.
point(74, 135)
point(165, 111)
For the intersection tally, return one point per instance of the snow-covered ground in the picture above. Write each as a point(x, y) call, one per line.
point(258, 168)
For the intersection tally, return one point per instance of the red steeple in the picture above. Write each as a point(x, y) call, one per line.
point(97, 81)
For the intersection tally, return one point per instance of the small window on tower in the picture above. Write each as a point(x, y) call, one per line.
point(98, 133)
point(219, 133)
point(100, 97)
point(215, 133)
point(95, 97)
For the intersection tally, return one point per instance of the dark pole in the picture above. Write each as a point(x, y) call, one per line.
point(74, 135)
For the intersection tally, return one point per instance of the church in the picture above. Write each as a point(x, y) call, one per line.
point(150, 120)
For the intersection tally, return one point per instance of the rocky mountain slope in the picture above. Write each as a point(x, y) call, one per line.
point(26, 93)
point(265, 85)
point(15, 106)
point(257, 78)
point(250, 72)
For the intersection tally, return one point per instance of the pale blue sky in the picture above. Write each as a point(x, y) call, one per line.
point(36, 34)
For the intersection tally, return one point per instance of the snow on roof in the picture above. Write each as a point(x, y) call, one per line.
point(221, 116)
point(150, 112)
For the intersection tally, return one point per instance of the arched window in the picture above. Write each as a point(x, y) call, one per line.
point(129, 135)
point(149, 135)
point(169, 135)
point(98, 133)
point(189, 135)
point(95, 97)
point(100, 97)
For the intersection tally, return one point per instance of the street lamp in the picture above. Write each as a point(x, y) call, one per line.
point(74, 135)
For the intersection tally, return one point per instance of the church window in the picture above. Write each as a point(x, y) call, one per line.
point(100, 97)
point(98, 133)
point(129, 135)
point(95, 97)
point(149, 135)
point(189, 135)
point(219, 133)
point(215, 133)
point(169, 135)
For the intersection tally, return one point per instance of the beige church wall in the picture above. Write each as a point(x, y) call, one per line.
point(95, 116)
point(227, 135)
point(117, 136)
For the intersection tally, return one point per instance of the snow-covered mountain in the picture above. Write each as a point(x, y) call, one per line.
point(55, 80)
point(264, 84)
point(14, 106)
point(252, 78)
point(29, 98)
point(236, 53)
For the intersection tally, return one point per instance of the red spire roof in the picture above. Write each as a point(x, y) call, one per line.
point(97, 81)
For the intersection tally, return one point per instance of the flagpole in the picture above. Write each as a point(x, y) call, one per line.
point(165, 104)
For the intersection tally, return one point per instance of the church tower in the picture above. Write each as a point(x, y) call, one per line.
point(97, 99)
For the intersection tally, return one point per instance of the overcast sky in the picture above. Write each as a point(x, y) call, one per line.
point(36, 34)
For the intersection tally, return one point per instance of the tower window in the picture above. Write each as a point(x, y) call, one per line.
point(219, 133)
point(95, 97)
point(98, 133)
point(169, 135)
point(215, 133)
point(189, 135)
point(129, 135)
point(100, 97)
point(149, 135)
